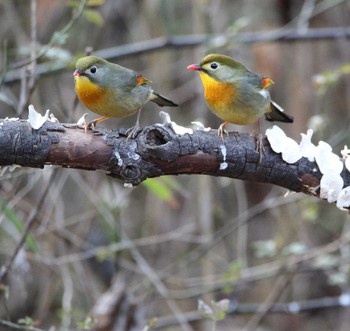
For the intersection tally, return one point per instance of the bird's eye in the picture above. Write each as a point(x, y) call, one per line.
point(93, 69)
point(214, 65)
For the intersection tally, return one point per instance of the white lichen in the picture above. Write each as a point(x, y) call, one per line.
point(11, 119)
point(223, 150)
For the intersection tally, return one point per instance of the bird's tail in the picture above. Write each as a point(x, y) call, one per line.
point(278, 114)
point(162, 101)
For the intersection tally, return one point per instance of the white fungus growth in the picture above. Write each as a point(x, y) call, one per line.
point(200, 126)
point(82, 120)
point(329, 164)
point(280, 143)
point(178, 129)
point(343, 200)
point(345, 153)
point(306, 147)
point(35, 119)
point(331, 185)
point(327, 161)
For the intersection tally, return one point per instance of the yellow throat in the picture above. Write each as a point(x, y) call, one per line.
point(218, 94)
point(90, 94)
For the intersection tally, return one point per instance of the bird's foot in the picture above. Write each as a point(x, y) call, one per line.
point(90, 126)
point(132, 132)
point(222, 131)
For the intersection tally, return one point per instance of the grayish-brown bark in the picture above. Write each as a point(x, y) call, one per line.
point(156, 151)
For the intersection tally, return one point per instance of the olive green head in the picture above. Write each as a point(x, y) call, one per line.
point(221, 67)
point(94, 68)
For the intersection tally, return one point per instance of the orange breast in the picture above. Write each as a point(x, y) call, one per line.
point(219, 95)
point(91, 95)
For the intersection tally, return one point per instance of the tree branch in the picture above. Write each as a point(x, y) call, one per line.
point(156, 151)
point(219, 40)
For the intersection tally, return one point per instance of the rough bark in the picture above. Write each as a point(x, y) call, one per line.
point(156, 151)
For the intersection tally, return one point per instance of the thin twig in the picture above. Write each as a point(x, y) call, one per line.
point(30, 222)
point(15, 326)
point(266, 305)
point(153, 277)
point(53, 40)
point(293, 307)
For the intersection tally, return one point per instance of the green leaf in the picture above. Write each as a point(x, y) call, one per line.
point(26, 321)
point(87, 324)
point(90, 3)
point(73, 3)
point(159, 188)
point(11, 216)
point(95, 3)
point(93, 16)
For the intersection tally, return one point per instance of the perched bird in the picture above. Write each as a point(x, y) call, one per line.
point(111, 90)
point(235, 94)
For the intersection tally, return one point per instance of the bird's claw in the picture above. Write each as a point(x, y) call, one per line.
point(222, 131)
point(132, 132)
point(90, 126)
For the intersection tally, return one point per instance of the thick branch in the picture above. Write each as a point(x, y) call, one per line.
point(156, 151)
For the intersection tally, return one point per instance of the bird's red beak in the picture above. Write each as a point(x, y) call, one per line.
point(77, 72)
point(194, 67)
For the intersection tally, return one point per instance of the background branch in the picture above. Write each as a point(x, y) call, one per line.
point(190, 41)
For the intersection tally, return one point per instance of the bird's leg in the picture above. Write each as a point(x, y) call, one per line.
point(259, 142)
point(221, 130)
point(131, 133)
point(91, 125)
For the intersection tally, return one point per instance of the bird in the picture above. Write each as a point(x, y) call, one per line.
point(111, 90)
point(235, 94)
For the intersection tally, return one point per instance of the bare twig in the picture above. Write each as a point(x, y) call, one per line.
point(265, 306)
point(15, 326)
point(30, 222)
point(153, 277)
point(53, 40)
point(292, 307)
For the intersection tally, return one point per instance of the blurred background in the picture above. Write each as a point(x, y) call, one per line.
point(104, 257)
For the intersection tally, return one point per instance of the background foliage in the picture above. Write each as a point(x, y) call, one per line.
point(157, 249)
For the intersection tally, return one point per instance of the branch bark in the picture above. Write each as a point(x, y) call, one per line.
point(156, 151)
